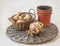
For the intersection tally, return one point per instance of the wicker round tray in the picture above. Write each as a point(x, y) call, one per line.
point(48, 34)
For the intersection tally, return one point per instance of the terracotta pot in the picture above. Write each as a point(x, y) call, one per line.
point(44, 14)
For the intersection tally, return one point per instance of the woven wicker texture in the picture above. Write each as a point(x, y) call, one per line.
point(48, 33)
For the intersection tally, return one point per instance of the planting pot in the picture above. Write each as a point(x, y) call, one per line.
point(44, 14)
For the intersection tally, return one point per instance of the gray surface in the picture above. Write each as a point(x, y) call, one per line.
point(20, 36)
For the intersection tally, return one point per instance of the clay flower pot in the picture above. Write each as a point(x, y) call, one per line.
point(44, 14)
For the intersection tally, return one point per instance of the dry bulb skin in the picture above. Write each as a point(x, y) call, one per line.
point(27, 17)
point(21, 20)
point(35, 28)
point(20, 17)
point(16, 16)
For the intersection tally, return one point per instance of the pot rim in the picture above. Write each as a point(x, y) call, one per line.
point(44, 7)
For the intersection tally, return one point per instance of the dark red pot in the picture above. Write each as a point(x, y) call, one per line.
point(44, 14)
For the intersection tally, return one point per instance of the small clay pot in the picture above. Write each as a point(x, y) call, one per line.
point(44, 14)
